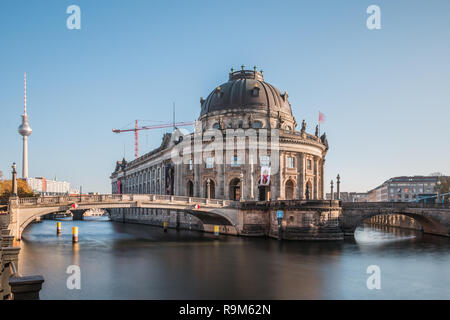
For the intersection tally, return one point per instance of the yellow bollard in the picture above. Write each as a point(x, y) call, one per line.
point(58, 228)
point(165, 226)
point(75, 234)
point(216, 230)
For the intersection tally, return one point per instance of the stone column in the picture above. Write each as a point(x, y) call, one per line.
point(301, 176)
point(252, 182)
point(181, 186)
point(220, 178)
point(208, 188)
point(242, 197)
point(197, 180)
point(316, 178)
point(275, 180)
point(322, 179)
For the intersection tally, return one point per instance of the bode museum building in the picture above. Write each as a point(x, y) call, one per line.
point(246, 146)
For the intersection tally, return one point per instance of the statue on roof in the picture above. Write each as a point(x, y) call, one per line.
point(324, 140)
point(303, 126)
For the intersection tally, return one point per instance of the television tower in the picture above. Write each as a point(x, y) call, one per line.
point(25, 130)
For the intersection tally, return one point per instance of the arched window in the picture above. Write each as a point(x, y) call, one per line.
point(289, 190)
point(216, 125)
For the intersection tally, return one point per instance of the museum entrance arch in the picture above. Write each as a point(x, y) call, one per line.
point(235, 189)
point(263, 192)
point(289, 190)
point(190, 189)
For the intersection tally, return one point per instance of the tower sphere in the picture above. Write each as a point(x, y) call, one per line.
point(24, 128)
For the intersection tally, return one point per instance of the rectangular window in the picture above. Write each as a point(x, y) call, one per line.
point(235, 161)
point(264, 161)
point(309, 164)
point(190, 164)
point(290, 162)
point(209, 163)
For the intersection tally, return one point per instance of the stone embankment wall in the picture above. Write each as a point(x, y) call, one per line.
point(174, 218)
point(8, 254)
point(302, 220)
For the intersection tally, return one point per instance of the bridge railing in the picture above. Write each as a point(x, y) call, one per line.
point(83, 199)
point(397, 205)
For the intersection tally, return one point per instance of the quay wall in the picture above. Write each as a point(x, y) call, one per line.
point(302, 220)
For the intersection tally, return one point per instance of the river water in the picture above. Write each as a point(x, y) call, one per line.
point(129, 261)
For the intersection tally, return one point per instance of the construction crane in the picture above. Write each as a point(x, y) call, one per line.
point(136, 130)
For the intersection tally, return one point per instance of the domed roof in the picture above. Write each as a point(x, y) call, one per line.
point(246, 89)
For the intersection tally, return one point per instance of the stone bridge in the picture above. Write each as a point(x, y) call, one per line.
point(23, 211)
point(434, 218)
point(304, 220)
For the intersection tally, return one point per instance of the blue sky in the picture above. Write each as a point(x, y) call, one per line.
point(385, 92)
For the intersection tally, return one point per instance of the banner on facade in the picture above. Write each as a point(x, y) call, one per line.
point(265, 176)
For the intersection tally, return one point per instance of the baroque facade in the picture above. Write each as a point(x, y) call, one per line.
point(245, 107)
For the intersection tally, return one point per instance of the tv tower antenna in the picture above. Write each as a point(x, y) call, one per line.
point(25, 130)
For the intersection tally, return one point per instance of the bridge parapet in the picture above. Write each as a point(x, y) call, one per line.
point(433, 217)
point(123, 198)
point(395, 205)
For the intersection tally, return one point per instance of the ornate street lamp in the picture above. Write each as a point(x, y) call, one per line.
point(438, 190)
point(332, 190)
point(14, 180)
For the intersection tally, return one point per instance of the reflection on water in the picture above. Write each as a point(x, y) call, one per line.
point(127, 261)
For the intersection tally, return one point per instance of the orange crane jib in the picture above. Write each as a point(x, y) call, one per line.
point(136, 130)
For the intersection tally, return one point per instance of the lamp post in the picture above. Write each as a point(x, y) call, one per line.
point(332, 190)
point(338, 189)
point(14, 180)
point(438, 183)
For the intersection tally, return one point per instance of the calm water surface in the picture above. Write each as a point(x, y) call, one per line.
point(126, 261)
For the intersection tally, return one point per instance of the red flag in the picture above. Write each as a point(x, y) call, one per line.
point(74, 205)
point(321, 117)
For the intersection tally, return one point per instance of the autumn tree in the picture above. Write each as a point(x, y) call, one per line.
point(444, 188)
point(23, 190)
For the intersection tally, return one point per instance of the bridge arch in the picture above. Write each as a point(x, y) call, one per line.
point(211, 211)
point(433, 220)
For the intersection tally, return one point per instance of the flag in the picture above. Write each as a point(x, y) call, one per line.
point(321, 117)
point(74, 205)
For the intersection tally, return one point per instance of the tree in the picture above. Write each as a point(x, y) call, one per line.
point(445, 188)
point(23, 190)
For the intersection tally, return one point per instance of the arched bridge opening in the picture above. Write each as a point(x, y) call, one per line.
point(432, 220)
point(210, 212)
